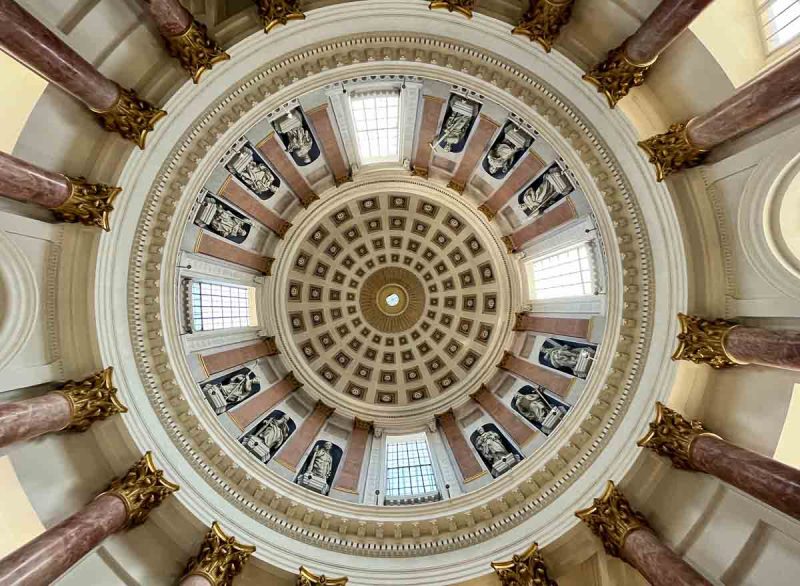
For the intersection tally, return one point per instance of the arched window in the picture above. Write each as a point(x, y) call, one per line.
point(565, 273)
point(409, 470)
point(215, 306)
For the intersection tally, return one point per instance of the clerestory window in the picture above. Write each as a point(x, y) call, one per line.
point(566, 273)
point(409, 470)
point(780, 22)
point(376, 118)
point(216, 306)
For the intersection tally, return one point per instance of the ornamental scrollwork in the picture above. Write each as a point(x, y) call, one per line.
point(308, 578)
point(89, 204)
point(702, 341)
point(544, 20)
point(464, 7)
point(221, 558)
point(196, 50)
point(612, 519)
point(672, 151)
point(671, 435)
point(276, 12)
point(526, 569)
point(91, 399)
point(142, 489)
point(130, 116)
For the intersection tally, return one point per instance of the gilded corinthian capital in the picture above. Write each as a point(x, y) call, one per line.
point(526, 569)
point(612, 519)
point(672, 151)
point(142, 489)
point(221, 558)
point(275, 12)
point(196, 50)
point(672, 435)
point(543, 21)
point(617, 75)
point(702, 341)
point(91, 400)
point(89, 204)
point(306, 578)
point(461, 6)
point(130, 116)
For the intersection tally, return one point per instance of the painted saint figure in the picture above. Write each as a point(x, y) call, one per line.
point(553, 185)
point(453, 131)
point(569, 358)
point(222, 221)
point(300, 143)
point(269, 437)
point(254, 174)
point(500, 157)
point(231, 392)
point(322, 462)
point(490, 445)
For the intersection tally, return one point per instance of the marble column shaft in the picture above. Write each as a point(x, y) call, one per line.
point(768, 480)
point(770, 95)
point(45, 558)
point(30, 42)
point(25, 182)
point(23, 420)
point(659, 565)
point(780, 349)
point(170, 16)
point(669, 19)
point(196, 581)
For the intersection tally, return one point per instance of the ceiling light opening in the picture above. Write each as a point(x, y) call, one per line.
point(376, 118)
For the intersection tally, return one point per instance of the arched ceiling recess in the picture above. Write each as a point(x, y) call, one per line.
point(646, 287)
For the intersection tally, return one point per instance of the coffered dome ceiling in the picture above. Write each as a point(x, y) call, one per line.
point(385, 297)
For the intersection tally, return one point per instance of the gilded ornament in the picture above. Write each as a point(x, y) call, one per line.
point(221, 558)
point(612, 519)
point(456, 186)
point(617, 75)
point(672, 151)
point(510, 246)
point(275, 12)
point(703, 341)
point(487, 211)
point(130, 116)
point(91, 399)
point(88, 203)
point(672, 436)
point(527, 569)
point(419, 172)
point(196, 51)
point(461, 6)
point(543, 21)
point(306, 578)
point(142, 489)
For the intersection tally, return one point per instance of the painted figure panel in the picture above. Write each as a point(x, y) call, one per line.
point(253, 171)
point(506, 151)
point(573, 358)
point(539, 406)
point(227, 391)
point(221, 219)
point(494, 449)
point(459, 119)
point(320, 467)
point(546, 190)
point(266, 438)
point(296, 136)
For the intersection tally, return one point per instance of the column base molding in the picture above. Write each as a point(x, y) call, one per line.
point(543, 21)
point(617, 75)
point(130, 117)
point(672, 151)
point(196, 51)
point(89, 204)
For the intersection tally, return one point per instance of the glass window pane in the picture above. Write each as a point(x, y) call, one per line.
point(217, 306)
point(408, 468)
point(567, 273)
point(376, 118)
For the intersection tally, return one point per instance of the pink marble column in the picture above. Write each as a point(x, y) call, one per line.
point(171, 18)
point(23, 420)
point(229, 252)
point(42, 560)
point(766, 479)
point(196, 581)
point(780, 349)
point(25, 182)
point(659, 565)
point(276, 155)
point(559, 214)
point(297, 444)
point(238, 196)
point(661, 28)
point(478, 144)
point(563, 326)
point(432, 107)
point(264, 401)
point(463, 453)
point(559, 384)
point(529, 166)
point(519, 431)
point(30, 42)
point(354, 457)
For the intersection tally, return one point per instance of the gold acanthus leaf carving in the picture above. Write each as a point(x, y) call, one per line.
point(617, 75)
point(275, 12)
point(612, 519)
point(671, 435)
point(526, 569)
point(221, 558)
point(142, 489)
point(702, 341)
point(464, 7)
point(672, 151)
point(544, 20)
point(196, 50)
point(130, 116)
point(89, 204)
point(91, 399)
point(307, 578)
